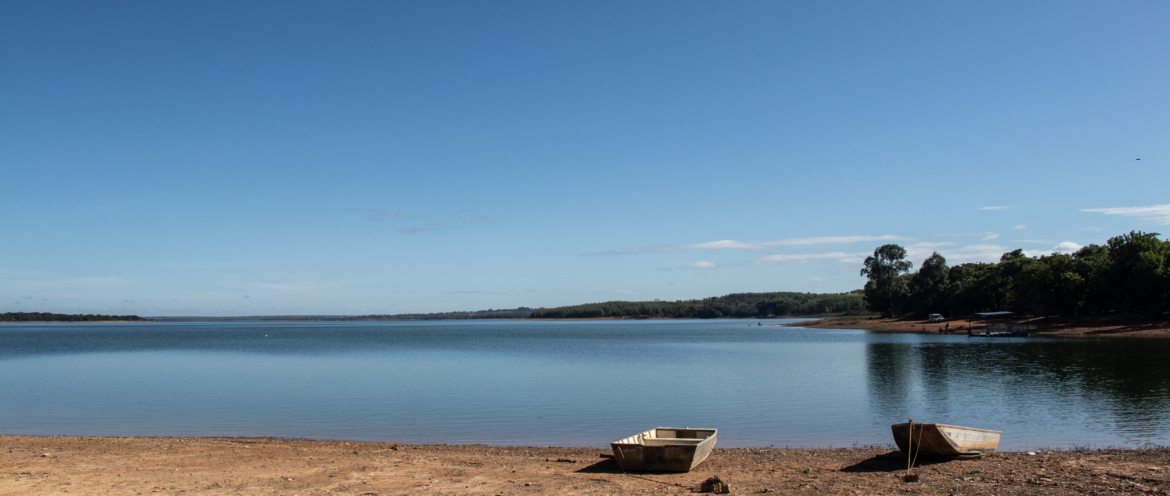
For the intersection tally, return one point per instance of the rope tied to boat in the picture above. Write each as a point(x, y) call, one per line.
point(911, 453)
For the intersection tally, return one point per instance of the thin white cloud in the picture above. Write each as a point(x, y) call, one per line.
point(1158, 214)
point(10, 272)
point(197, 266)
point(423, 228)
point(281, 287)
point(989, 237)
point(701, 265)
point(980, 235)
point(1021, 226)
point(959, 255)
point(979, 253)
point(806, 257)
point(919, 251)
point(78, 283)
point(993, 208)
point(390, 213)
point(623, 291)
point(1067, 247)
point(925, 244)
point(987, 253)
point(730, 244)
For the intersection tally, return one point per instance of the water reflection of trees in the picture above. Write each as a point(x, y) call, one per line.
point(890, 368)
point(1128, 378)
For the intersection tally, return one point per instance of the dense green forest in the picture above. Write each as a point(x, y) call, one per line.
point(1129, 274)
point(744, 305)
point(61, 317)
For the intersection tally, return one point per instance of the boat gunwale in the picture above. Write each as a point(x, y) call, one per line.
point(959, 427)
point(714, 432)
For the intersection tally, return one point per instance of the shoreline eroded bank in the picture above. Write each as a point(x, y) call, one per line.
point(143, 465)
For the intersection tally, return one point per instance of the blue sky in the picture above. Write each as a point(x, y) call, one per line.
point(249, 158)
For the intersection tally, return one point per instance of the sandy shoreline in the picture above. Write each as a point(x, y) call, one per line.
point(98, 465)
point(1084, 327)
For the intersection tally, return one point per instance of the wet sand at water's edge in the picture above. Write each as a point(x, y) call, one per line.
point(97, 465)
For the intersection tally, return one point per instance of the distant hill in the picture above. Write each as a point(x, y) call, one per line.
point(742, 305)
point(62, 317)
point(516, 313)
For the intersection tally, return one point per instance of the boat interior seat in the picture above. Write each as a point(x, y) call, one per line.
point(670, 440)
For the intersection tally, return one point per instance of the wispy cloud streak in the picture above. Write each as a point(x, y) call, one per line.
point(805, 257)
point(730, 244)
point(390, 213)
point(419, 229)
point(1158, 214)
point(77, 283)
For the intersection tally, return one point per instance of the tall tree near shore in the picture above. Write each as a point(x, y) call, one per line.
point(1069, 286)
point(1013, 270)
point(886, 286)
point(1091, 263)
point(1140, 271)
point(928, 288)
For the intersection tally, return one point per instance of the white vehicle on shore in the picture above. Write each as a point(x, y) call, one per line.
point(934, 317)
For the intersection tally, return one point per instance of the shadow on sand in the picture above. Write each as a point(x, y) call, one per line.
point(605, 466)
point(608, 466)
point(894, 461)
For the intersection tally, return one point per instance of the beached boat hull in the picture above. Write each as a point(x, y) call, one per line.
point(665, 449)
point(945, 440)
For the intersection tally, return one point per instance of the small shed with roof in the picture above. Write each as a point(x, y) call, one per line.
point(1000, 324)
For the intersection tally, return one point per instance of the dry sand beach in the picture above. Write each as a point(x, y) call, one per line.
point(96, 465)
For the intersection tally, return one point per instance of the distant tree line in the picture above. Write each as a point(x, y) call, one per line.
point(515, 313)
point(1129, 274)
point(742, 305)
point(61, 317)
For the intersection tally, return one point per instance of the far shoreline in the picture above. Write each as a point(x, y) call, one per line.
point(1069, 327)
point(224, 319)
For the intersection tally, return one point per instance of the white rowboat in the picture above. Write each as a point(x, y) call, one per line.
point(944, 440)
point(665, 449)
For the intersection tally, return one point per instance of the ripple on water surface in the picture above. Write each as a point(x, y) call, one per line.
point(573, 383)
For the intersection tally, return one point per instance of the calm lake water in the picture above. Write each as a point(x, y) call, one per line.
point(574, 383)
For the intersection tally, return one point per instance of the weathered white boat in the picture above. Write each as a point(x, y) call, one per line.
point(665, 449)
point(944, 440)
